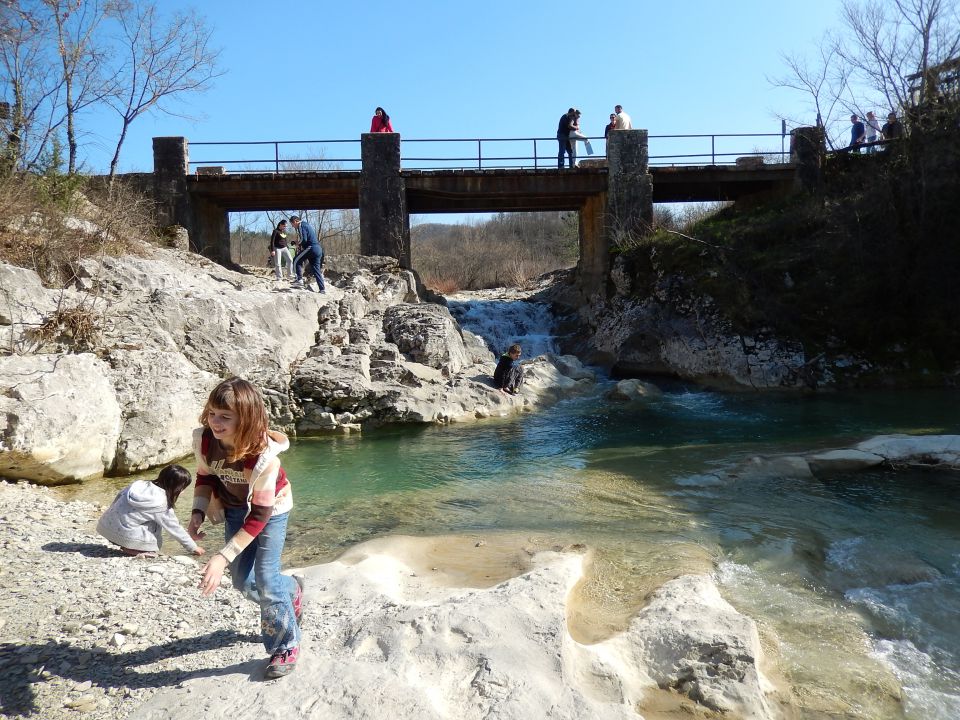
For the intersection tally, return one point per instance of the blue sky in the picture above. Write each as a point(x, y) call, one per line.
point(316, 70)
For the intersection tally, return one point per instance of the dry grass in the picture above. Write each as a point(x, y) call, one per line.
point(50, 223)
point(510, 250)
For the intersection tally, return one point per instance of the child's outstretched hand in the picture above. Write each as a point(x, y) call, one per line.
point(198, 551)
point(212, 572)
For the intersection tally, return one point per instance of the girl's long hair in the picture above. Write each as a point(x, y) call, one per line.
point(240, 397)
point(173, 480)
point(386, 118)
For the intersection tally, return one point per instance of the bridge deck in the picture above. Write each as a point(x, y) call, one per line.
point(439, 191)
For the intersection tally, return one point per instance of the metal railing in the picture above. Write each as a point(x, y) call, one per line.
point(315, 159)
point(484, 153)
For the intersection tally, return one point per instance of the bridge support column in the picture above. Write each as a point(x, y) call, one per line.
point(171, 165)
point(210, 231)
point(594, 265)
point(623, 214)
point(384, 220)
point(808, 150)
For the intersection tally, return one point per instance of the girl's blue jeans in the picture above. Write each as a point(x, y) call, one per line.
point(256, 574)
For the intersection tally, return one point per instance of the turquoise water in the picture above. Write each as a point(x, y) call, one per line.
point(854, 580)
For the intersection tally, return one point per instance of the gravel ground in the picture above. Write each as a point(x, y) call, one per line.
point(87, 631)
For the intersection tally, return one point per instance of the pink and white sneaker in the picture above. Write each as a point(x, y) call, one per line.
point(282, 663)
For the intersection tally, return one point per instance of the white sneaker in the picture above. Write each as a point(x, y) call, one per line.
point(297, 283)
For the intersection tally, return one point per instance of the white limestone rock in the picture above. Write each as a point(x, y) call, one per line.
point(61, 419)
point(633, 389)
point(434, 651)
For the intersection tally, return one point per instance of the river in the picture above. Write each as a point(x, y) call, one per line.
point(853, 580)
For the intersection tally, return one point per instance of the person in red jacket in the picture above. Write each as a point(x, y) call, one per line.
point(381, 121)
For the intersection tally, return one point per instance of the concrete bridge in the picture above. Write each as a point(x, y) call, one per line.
point(611, 198)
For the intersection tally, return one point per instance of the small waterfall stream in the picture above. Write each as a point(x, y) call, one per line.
point(502, 318)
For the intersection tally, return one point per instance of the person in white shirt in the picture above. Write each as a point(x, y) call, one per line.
point(623, 120)
point(873, 131)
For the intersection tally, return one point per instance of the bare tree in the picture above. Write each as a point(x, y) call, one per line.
point(81, 56)
point(32, 83)
point(825, 81)
point(894, 40)
point(869, 61)
point(163, 62)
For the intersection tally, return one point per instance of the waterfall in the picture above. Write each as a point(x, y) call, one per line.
point(502, 319)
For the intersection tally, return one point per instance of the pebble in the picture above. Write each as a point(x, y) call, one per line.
point(85, 703)
point(93, 604)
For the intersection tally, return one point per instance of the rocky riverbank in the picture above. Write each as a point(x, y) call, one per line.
point(396, 627)
point(161, 329)
point(392, 629)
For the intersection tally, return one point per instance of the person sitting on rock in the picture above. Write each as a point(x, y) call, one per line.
point(138, 514)
point(508, 377)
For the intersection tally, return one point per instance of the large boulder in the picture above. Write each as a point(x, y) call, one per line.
point(60, 417)
point(160, 395)
point(692, 641)
point(428, 334)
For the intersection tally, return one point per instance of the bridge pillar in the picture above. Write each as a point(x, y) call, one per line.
point(210, 231)
point(171, 165)
point(624, 213)
point(593, 267)
point(808, 150)
point(384, 219)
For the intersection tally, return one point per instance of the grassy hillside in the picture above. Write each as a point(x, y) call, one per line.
point(871, 266)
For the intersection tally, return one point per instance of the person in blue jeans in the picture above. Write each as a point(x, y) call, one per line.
point(240, 480)
point(310, 250)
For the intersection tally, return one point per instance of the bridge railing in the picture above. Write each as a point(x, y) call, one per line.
point(289, 156)
point(278, 156)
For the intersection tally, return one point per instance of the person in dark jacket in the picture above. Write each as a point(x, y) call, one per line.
point(857, 133)
point(310, 251)
point(508, 377)
point(892, 129)
point(563, 139)
point(279, 249)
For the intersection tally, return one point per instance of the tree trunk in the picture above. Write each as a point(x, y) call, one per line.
point(116, 155)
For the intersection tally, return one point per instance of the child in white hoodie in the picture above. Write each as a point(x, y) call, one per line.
point(139, 513)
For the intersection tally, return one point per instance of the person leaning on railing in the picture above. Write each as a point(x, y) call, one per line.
point(380, 122)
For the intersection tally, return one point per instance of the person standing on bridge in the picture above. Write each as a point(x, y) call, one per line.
point(892, 129)
point(310, 250)
point(380, 122)
point(563, 139)
point(872, 129)
point(623, 120)
point(857, 133)
point(611, 126)
point(280, 248)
